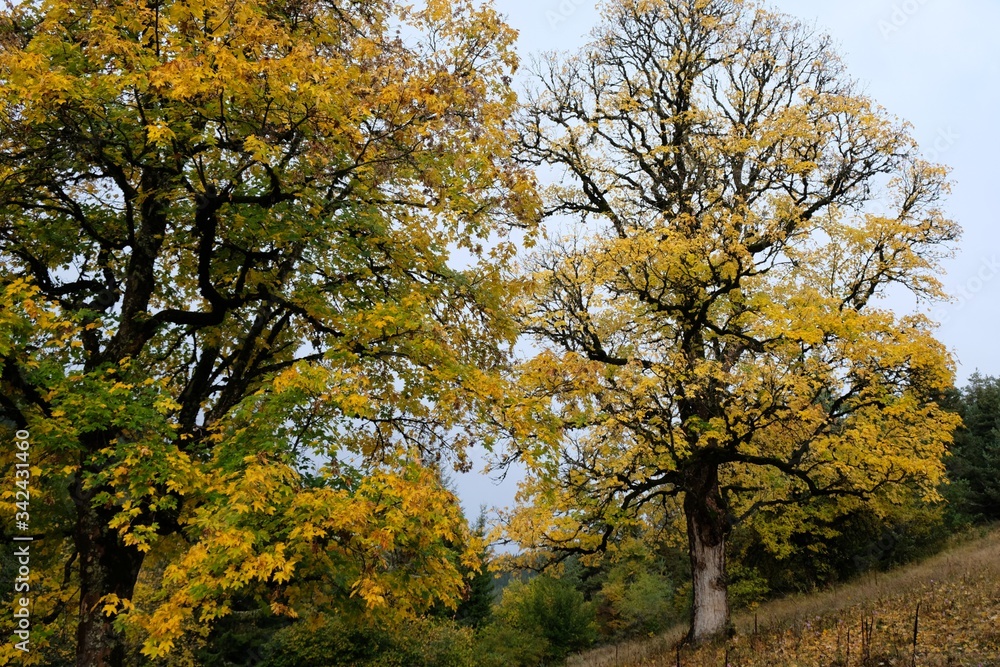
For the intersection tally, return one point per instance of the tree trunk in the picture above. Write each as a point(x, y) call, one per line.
point(707, 525)
point(106, 567)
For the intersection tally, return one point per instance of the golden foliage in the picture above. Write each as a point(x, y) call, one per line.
point(237, 239)
point(712, 327)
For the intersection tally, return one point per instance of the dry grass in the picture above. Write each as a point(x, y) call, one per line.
point(867, 624)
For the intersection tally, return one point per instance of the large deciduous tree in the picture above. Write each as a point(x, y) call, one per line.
point(712, 340)
point(226, 233)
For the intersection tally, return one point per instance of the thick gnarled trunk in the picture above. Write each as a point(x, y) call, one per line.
point(106, 567)
point(707, 526)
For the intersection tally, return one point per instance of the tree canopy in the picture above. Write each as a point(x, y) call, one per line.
point(232, 318)
point(712, 343)
point(260, 287)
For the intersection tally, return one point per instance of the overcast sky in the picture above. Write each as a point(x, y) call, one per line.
point(934, 63)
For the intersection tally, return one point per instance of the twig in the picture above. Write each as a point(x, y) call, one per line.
point(867, 633)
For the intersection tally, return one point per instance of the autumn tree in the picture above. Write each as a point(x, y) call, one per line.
point(226, 233)
point(712, 345)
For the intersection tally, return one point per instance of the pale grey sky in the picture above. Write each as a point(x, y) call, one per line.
point(934, 63)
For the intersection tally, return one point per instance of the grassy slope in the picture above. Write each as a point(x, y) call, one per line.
point(959, 596)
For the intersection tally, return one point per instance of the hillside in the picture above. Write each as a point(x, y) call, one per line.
point(869, 622)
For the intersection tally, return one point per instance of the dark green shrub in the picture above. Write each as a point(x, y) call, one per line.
point(636, 600)
point(552, 609)
point(349, 643)
point(502, 645)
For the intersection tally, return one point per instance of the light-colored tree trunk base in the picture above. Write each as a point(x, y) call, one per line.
point(707, 526)
point(711, 607)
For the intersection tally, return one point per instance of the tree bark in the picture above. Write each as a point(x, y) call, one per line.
point(106, 567)
point(707, 526)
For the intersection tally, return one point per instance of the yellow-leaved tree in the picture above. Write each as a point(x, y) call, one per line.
point(230, 318)
point(711, 341)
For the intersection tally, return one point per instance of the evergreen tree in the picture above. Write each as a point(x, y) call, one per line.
point(974, 467)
